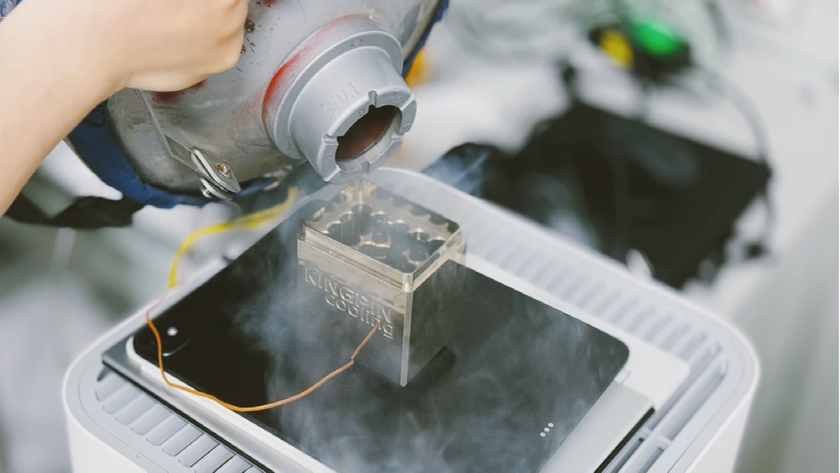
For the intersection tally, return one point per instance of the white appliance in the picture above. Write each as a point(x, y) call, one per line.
point(694, 372)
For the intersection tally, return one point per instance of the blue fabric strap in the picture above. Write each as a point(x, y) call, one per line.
point(97, 147)
point(441, 9)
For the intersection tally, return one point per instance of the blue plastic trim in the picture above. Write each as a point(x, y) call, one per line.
point(441, 9)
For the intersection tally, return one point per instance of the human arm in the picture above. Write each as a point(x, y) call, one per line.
point(60, 58)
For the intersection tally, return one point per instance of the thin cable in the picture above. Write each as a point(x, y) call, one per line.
point(731, 93)
point(246, 221)
point(262, 407)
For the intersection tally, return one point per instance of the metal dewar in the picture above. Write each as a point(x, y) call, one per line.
point(318, 84)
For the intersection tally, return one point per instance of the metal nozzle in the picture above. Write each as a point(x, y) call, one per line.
point(340, 101)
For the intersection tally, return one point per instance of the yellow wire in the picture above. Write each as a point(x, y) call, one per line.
point(248, 221)
point(244, 222)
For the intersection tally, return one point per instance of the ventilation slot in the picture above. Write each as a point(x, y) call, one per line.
point(152, 424)
point(506, 252)
point(697, 371)
point(590, 295)
point(690, 348)
point(108, 385)
point(519, 260)
point(704, 357)
point(692, 402)
point(555, 278)
point(625, 454)
point(626, 313)
point(633, 324)
point(536, 271)
point(573, 286)
point(606, 304)
point(674, 337)
point(651, 318)
point(623, 311)
point(480, 246)
point(499, 249)
point(652, 459)
point(656, 328)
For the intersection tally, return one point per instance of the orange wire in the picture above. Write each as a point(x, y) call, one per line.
point(246, 221)
point(253, 408)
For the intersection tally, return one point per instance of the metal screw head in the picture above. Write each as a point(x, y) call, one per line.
point(223, 168)
point(211, 192)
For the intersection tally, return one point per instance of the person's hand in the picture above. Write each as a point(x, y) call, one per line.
point(59, 58)
point(161, 45)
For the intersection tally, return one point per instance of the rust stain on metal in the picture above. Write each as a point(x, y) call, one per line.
point(286, 72)
point(279, 77)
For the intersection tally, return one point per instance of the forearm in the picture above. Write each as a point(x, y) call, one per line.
point(50, 78)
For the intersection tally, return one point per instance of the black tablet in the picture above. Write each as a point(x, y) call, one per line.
point(515, 379)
